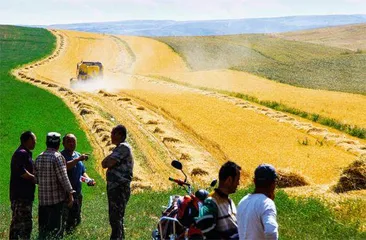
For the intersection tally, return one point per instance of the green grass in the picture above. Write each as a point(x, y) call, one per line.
point(330, 122)
point(26, 107)
point(298, 218)
point(296, 63)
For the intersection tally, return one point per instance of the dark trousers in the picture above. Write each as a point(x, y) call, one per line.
point(117, 201)
point(50, 221)
point(21, 221)
point(73, 214)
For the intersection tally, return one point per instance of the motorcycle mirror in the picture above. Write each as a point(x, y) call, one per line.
point(213, 183)
point(176, 164)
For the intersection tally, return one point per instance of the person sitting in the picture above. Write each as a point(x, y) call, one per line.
point(217, 216)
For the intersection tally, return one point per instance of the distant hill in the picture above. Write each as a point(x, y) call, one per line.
point(351, 37)
point(292, 62)
point(214, 27)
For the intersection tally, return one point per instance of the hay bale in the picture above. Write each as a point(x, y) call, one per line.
point(290, 179)
point(185, 156)
point(158, 130)
point(353, 177)
point(199, 172)
point(170, 139)
point(152, 122)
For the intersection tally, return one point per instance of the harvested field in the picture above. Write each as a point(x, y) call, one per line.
point(344, 107)
point(246, 137)
point(169, 122)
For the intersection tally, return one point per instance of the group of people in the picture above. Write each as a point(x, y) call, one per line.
point(256, 215)
point(59, 176)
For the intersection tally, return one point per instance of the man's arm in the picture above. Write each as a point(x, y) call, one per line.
point(21, 160)
point(27, 175)
point(118, 154)
point(269, 221)
point(109, 162)
point(72, 163)
point(62, 177)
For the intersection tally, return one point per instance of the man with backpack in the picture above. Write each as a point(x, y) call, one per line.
point(217, 216)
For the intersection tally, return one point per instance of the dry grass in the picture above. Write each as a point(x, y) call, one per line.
point(290, 179)
point(353, 177)
point(198, 172)
point(153, 56)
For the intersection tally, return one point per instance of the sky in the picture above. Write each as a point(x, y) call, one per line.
point(46, 12)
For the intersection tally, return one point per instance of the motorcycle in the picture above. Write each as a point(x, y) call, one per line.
point(177, 221)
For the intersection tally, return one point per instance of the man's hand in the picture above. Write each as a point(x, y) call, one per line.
point(83, 157)
point(108, 162)
point(91, 183)
point(71, 199)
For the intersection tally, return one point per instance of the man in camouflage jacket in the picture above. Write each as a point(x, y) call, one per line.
point(119, 166)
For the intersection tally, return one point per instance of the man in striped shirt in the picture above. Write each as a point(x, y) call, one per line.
point(217, 216)
point(54, 188)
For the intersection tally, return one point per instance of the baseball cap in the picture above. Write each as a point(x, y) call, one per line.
point(53, 137)
point(265, 172)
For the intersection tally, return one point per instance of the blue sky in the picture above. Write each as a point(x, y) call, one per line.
point(44, 12)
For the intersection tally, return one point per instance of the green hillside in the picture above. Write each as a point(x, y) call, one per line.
point(296, 63)
point(351, 37)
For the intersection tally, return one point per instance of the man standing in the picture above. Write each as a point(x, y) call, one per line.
point(22, 186)
point(257, 212)
point(53, 188)
point(217, 216)
point(75, 169)
point(119, 176)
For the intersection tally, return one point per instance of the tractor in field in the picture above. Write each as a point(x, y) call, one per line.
point(88, 70)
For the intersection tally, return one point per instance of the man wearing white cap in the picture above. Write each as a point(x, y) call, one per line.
point(53, 188)
point(257, 211)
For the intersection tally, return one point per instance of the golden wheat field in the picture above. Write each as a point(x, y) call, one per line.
point(202, 130)
point(345, 107)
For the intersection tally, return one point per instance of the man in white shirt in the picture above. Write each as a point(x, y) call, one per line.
point(257, 213)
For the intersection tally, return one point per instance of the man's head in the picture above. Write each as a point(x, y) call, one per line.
point(118, 134)
point(69, 142)
point(53, 140)
point(265, 178)
point(229, 176)
point(28, 140)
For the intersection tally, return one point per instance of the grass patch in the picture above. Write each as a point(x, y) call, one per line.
point(296, 63)
point(26, 107)
point(298, 218)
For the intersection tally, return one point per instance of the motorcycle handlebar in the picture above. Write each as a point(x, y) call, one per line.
point(179, 182)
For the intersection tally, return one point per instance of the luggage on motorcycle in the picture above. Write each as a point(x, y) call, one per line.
point(187, 210)
point(168, 222)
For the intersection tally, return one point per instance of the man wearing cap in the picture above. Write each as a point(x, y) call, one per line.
point(257, 211)
point(54, 188)
point(75, 170)
point(22, 186)
point(119, 166)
